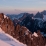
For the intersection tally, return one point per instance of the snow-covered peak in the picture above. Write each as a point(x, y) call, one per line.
point(35, 34)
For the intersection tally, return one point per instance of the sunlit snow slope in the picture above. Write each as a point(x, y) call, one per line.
point(7, 40)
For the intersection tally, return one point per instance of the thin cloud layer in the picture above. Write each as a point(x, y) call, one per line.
point(27, 5)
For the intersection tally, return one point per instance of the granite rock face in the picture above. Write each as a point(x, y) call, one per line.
point(29, 38)
point(6, 24)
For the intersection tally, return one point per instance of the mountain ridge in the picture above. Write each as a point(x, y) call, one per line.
point(21, 33)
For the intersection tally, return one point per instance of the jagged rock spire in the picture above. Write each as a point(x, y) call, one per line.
point(6, 24)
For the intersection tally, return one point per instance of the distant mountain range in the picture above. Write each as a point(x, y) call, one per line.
point(22, 15)
point(14, 16)
point(31, 21)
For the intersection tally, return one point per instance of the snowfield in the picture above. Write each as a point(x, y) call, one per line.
point(7, 40)
point(4, 43)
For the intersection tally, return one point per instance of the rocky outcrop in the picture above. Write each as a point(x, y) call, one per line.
point(6, 24)
point(1, 18)
point(29, 38)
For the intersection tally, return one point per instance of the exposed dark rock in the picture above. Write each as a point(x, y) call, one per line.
point(44, 12)
point(38, 15)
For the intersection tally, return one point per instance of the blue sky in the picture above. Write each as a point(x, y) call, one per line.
point(16, 6)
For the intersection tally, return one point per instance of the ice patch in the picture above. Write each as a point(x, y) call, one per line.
point(35, 34)
point(5, 16)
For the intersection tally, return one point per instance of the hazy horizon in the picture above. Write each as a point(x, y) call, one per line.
point(19, 6)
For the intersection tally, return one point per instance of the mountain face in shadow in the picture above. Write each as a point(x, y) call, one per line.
point(38, 15)
point(44, 12)
point(23, 17)
point(33, 23)
point(14, 16)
